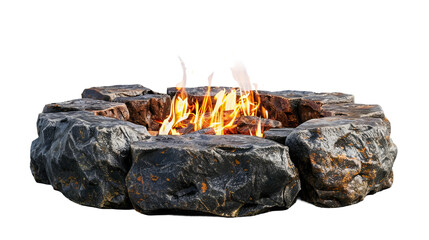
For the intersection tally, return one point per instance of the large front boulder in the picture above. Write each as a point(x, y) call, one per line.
point(204, 174)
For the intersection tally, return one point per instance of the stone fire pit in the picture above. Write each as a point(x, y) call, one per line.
point(101, 151)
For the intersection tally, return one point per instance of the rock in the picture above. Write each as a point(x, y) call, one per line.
point(198, 93)
point(341, 160)
point(278, 134)
point(311, 106)
point(249, 124)
point(98, 107)
point(206, 131)
point(109, 93)
point(352, 110)
point(148, 110)
point(283, 105)
point(86, 157)
point(229, 176)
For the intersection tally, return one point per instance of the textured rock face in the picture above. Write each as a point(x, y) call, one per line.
point(283, 105)
point(221, 175)
point(248, 124)
point(278, 134)
point(341, 160)
point(310, 106)
point(109, 93)
point(352, 110)
point(148, 110)
point(86, 157)
point(197, 94)
point(98, 107)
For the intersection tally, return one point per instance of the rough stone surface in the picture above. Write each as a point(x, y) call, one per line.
point(206, 131)
point(283, 105)
point(352, 110)
point(198, 93)
point(86, 157)
point(228, 176)
point(249, 124)
point(98, 107)
point(278, 134)
point(310, 106)
point(341, 160)
point(109, 93)
point(148, 110)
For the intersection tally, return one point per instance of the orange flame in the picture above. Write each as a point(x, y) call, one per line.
point(221, 116)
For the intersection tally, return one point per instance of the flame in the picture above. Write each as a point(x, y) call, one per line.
point(221, 116)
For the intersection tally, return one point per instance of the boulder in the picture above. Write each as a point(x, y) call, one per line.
point(86, 157)
point(352, 110)
point(341, 160)
point(197, 94)
point(311, 106)
point(278, 134)
point(248, 124)
point(148, 110)
point(229, 176)
point(283, 105)
point(109, 93)
point(98, 107)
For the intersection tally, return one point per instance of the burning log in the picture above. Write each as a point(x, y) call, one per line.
point(187, 129)
point(98, 107)
point(147, 110)
point(206, 131)
point(216, 175)
point(341, 160)
point(248, 125)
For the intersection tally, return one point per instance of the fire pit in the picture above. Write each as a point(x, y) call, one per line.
point(212, 150)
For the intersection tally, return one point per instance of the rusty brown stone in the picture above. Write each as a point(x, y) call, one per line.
point(148, 110)
point(109, 93)
point(311, 106)
point(98, 107)
point(283, 105)
point(153, 133)
point(249, 124)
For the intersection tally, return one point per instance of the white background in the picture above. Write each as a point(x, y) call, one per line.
point(376, 50)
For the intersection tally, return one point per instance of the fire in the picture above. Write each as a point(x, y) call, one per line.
point(221, 116)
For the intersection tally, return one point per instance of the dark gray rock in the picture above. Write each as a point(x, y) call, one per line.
point(352, 110)
point(278, 134)
point(109, 93)
point(311, 106)
point(341, 160)
point(148, 110)
point(229, 176)
point(98, 107)
point(86, 157)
